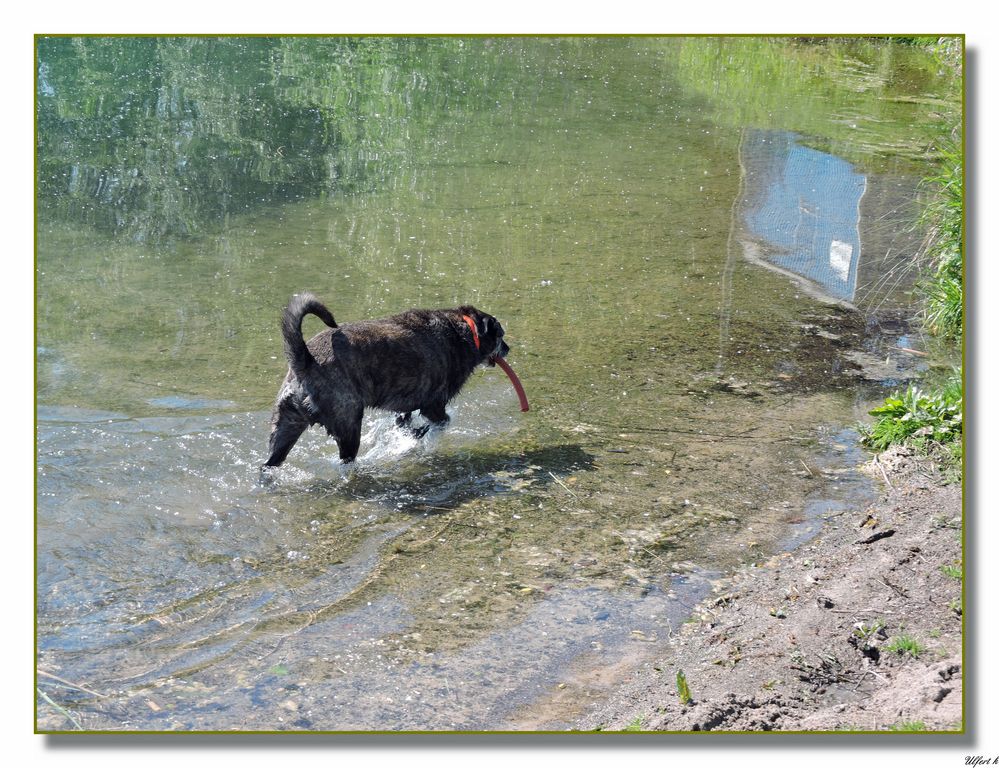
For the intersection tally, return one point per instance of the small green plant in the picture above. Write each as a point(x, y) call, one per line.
point(867, 633)
point(955, 605)
point(682, 689)
point(953, 571)
point(905, 645)
point(908, 725)
point(915, 414)
point(947, 522)
point(634, 725)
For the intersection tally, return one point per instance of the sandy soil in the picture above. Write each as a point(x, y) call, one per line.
point(809, 641)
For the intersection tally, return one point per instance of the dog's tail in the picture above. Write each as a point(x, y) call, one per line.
point(301, 304)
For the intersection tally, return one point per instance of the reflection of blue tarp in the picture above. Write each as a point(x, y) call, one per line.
point(806, 204)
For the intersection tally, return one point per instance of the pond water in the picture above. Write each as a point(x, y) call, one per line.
point(701, 250)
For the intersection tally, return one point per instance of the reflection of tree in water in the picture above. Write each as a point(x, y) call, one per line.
point(157, 136)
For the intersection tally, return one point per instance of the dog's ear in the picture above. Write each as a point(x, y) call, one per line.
point(486, 325)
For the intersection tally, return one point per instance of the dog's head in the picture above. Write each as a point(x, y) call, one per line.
point(490, 334)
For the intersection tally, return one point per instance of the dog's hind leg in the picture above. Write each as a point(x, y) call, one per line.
point(287, 425)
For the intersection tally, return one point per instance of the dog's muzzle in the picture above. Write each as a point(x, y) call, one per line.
point(502, 350)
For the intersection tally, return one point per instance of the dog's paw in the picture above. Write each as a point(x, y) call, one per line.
point(266, 477)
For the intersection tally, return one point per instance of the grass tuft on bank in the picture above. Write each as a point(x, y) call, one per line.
point(934, 415)
point(943, 222)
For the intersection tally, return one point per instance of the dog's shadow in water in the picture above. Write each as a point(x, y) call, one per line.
point(441, 482)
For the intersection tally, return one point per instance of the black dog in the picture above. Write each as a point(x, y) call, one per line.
point(417, 360)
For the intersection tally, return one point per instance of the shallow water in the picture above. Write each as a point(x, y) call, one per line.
point(700, 302)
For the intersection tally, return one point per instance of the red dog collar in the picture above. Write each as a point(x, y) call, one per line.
point(475, 331)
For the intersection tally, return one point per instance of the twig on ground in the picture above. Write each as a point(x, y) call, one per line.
point(566, 487)
point(78, 687)
point(883, 473)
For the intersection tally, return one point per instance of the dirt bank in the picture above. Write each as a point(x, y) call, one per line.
point(860, 629)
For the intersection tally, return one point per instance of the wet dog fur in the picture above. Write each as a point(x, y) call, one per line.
point(414, 361)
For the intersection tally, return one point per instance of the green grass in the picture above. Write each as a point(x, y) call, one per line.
point(634, 725)
point(905, 645)
point(942, 220)
point(945, 304)
point(953, 571)
point(908, 725)
point(61, 710)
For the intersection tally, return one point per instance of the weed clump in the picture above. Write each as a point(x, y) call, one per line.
point(917, 415)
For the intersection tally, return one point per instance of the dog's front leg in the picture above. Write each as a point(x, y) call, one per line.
point(287, 425)
point(437, 417)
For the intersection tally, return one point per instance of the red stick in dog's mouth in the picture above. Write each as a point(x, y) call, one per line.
point(513, 380)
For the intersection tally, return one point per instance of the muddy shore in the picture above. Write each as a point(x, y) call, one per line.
point(857, 630)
